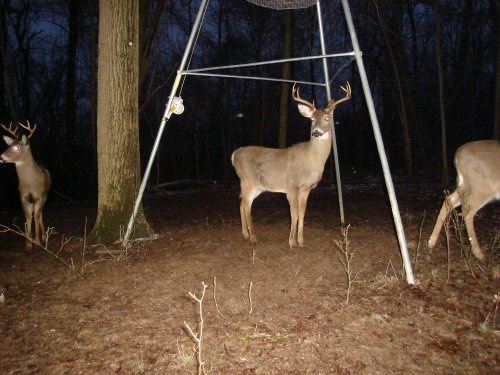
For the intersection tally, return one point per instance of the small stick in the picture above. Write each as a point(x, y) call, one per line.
point(197, 338)
point(4, 228)
point(418, 242)
point(250, 296)
point(215, 299)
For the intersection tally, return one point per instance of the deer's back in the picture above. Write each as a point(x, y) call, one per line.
point(277, 169)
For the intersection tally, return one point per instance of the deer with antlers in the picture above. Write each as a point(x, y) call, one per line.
point(34, 179)
point(295, 170)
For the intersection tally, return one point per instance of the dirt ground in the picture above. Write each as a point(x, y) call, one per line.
point(267, 309)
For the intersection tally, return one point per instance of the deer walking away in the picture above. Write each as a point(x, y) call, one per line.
point(34, 180)
point(478, 183)
point(295, 170)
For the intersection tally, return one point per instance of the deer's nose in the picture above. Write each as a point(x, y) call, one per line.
point(316, 133)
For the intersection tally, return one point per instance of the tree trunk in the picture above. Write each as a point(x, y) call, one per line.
point(3, 50)
point(117, 121)
point(496, 120)
point(93, 81)
point(444, 147)
point(285, 92)
point(147, 40)
point(395, 49)
point(71, 72)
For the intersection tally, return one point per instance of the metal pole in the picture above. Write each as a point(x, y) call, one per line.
point(166, 117)
point(329, 97)
point(380, 145)
point(268, 62)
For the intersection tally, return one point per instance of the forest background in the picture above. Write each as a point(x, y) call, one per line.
point(433, 68)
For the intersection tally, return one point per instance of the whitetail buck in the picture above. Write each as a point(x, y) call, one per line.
point(34, 180)
point(478, 182)
point(294, 170)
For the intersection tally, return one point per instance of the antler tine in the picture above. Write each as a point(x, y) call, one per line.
point(297, 98)
point(10, 130)
point(333, 103)
point(28, 128)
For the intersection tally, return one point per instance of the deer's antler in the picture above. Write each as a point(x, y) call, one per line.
point(28, 128)
point(297, 98)
point(10, 130)
point(333, 103)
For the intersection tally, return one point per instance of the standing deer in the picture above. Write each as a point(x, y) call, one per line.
point(34, 180)
point(295, 170)
point(478, 182)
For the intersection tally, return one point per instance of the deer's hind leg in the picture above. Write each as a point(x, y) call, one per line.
point(246, 198)
point(472, 203)
point(450, 202)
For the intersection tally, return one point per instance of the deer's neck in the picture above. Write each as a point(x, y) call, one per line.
point(320, 147)
point(26, 165)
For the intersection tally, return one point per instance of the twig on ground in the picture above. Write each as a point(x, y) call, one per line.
point(345, 256)
point(459, 226)
point(198, 338)
point(215, 299)
point(4, 228)
point(417, 250)
point(250, 297)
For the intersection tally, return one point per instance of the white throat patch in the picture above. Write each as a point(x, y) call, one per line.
point(324, 136)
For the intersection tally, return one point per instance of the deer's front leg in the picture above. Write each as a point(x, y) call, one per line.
point(293, 201)
point(39, 228)
point(28, 214)
point(303, 195)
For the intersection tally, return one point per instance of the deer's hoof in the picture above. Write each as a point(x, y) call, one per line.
point(431, 243)
point(478, 253)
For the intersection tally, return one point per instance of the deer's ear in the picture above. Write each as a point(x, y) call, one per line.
point(8, 140)
point(305, 110)
point(24, 139)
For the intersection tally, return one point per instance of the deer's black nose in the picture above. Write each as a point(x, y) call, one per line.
point(316, 133)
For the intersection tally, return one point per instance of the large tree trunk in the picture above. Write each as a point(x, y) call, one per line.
point(117, 121)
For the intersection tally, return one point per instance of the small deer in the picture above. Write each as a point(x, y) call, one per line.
point(34, 180)
point(295, 170)
point(478, 183)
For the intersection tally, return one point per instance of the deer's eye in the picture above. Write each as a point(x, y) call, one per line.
point(15, 148)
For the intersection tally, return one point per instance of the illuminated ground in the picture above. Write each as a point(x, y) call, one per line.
point(266, 310)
